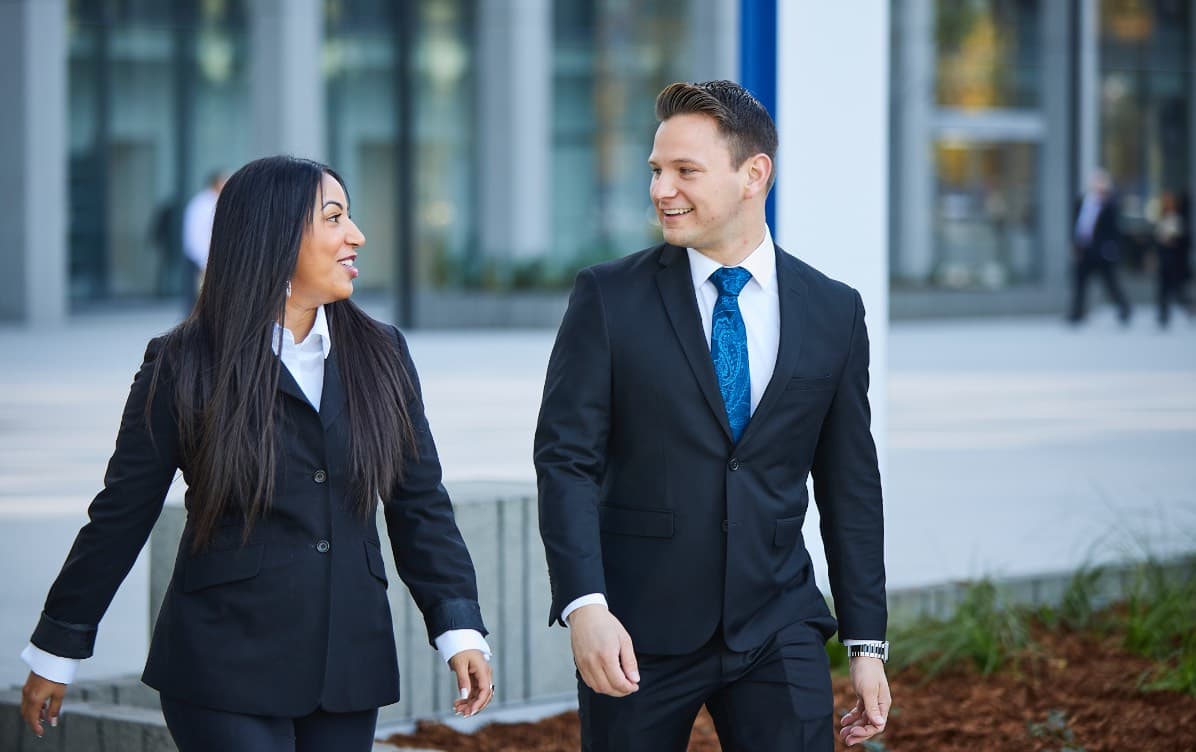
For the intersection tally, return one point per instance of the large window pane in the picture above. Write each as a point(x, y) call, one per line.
point(360, 94)
point(364, 93)
point(158, 97)
point(988, 53)
point(985, 232)
point(611, 59)
point(1145, 85)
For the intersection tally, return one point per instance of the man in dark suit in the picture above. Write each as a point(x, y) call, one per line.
point(1096, 247)
point(692, 389)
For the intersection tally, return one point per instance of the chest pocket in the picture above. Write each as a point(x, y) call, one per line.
point(810, 384)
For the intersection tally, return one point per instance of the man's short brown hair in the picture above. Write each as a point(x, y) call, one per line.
point(742, 120)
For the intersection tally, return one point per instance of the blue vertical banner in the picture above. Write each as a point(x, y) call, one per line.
point(758, 66)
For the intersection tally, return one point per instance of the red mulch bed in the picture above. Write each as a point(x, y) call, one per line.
point(1091, 679)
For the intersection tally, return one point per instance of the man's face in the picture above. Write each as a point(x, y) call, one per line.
point(698, 194)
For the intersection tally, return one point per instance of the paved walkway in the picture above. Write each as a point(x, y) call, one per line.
point(1014, 447)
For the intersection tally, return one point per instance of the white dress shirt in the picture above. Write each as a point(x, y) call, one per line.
point(760, 306)
point(1086, 221)
point(197, 226)
point(305, 362)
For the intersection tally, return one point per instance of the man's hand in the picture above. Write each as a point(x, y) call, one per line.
point(475, 682)
point(41, 701)
point(871, 711)
point(603, 652)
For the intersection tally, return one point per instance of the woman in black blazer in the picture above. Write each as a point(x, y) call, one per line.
point(291, 414)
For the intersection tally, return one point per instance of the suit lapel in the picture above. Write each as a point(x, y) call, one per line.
point(791, 290)
point(677, 292)
point(332, 403)
point(287, 384)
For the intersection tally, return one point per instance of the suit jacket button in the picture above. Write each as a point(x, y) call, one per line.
point(320, 476)
point(323, 546)
point(733, 463)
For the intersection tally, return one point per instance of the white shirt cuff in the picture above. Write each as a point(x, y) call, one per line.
point(849, 643)
point(593, 599)
point(455, 640)
point(50, 666)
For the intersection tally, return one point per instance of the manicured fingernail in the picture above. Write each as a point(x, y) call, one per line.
point(54, 722)
point(464, 693)
point(635, 676)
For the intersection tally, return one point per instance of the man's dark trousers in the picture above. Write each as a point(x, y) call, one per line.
point(1092, 263)
point(774, 697)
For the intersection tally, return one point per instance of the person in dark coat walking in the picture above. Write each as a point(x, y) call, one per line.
point(1170, 242)
point(1096, 247)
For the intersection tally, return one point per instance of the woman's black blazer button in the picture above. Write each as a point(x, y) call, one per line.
point(323, 546)
point(320, 476)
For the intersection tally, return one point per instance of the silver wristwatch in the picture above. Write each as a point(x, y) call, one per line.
point(870, 649)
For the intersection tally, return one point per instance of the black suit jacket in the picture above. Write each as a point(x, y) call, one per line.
point(644, 496)
point(297, 618)
point(1105, 242)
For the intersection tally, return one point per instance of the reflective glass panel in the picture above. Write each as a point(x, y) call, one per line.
point(1145, 95)
point(985, 220)
point(988, 53)
point(157, 98)
point(610, 60)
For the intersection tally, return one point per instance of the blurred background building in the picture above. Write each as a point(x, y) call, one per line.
point(494, 147)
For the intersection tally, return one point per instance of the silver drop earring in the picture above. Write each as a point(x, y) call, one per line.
point(288, 288)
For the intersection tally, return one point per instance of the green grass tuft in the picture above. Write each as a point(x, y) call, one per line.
point(983, 630)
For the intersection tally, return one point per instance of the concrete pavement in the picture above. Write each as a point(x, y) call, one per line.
point(1015, 446)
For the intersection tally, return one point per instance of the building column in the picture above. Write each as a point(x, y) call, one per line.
point(834, 158)
point(714, 39)
point(515, 134)
point(33, 150)
point(1088, 100)
point(913, 92)
point(1191, 112)
point(286, 79)
point(1055, 179)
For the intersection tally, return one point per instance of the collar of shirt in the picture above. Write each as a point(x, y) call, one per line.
point(762, 263)
point(317, 339)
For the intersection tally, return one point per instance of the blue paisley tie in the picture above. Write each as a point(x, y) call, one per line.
point(728, 347)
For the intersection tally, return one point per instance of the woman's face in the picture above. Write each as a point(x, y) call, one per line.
point(325, 270)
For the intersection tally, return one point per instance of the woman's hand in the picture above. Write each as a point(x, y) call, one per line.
point(475, 682)
point(41, 700)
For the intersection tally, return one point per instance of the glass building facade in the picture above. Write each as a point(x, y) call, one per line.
point(425, 108)
point(157, 99)
point(494, 148)
point(1001, 110)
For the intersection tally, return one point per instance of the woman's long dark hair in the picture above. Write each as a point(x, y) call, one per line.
point(225, 373)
